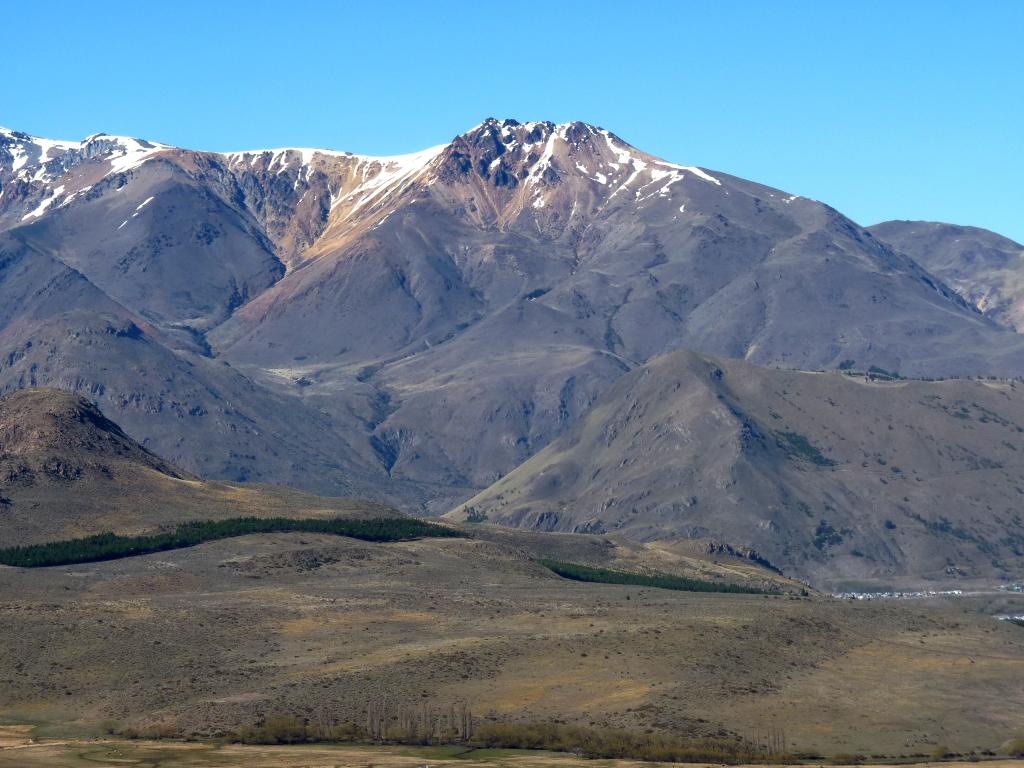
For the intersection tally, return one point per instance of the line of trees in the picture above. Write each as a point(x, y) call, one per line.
point(395, 722)
point(391, 722)
point(422, 724)
point(578, 572)
point(621, 744)
point(110, 546)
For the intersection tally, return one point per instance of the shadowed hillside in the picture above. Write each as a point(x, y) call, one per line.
point(985, 268)
point(832, 477)
point(68, 471)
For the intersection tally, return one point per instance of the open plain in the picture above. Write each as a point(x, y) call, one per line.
point(116, 753)
point(208, 640)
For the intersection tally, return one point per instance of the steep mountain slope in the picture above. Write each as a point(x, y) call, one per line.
point(625, 252)
point(424, 323)
point(58, 329)
point(985, 268)
point(831, 477)
point(45, 431)
point(490, 296)
point(66, 470)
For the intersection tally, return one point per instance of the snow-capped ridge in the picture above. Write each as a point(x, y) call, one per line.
point(536, 143)
point(40, 160)
point(307, 154)
point(526, 164)
point(381, 176)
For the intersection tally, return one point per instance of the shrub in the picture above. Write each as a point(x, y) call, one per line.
point(826, 536)
point(847, 758)
point(276, 729)
point(939, 753)
point(1014, 747)
point(474, 515)
point(797, 446)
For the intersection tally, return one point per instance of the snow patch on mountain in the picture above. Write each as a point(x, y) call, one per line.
point(46, 203)
point(381, 176)
point(130, 153)
point(37, 159)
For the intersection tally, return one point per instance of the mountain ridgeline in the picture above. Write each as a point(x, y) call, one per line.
point(414, 328)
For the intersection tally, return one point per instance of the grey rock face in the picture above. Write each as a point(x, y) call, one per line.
point(529, 252)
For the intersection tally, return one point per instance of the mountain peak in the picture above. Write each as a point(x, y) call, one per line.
point(508, 153)
point(509, 129)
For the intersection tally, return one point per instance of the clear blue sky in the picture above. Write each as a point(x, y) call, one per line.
point(882, 109)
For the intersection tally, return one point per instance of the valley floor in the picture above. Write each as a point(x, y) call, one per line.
point(148, 754)
point(208, 640)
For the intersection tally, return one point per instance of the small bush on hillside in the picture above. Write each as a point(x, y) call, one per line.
point(826, 536)
point(847, 758)
point(799, 447)
point(939, 753)
point(474, 515)
point(276, 729)
point(1014, 748)
point(875, 372)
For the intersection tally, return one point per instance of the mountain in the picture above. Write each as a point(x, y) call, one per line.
point(833, 478)
point(589, 230)
point(414, 327)
point(506, 319)
point(116, 313)
point(66, 471)
point(985, 268)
